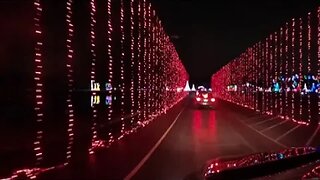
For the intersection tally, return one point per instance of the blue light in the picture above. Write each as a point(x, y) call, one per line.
point(276, 87)
point(280, 156)
point(313, 88)
point(108, 100)
point(108, 87)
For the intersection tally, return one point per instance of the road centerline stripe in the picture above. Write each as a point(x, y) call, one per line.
point(147, 156)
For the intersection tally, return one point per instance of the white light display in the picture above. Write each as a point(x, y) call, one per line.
point(95, 100)
point(94, 86)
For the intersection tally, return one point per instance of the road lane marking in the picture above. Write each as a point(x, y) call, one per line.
point(246, 142)
point(261, 122)
point(312, 137)
point(278, 124)
point(271, 139)
point(288, 132)
point(147, 156)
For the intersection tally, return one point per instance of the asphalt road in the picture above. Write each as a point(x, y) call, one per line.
point(177, 145)
point(202, 134)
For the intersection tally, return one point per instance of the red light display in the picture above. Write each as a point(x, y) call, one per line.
point(143, 51)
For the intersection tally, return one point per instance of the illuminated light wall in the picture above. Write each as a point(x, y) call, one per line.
point(279, 74)
point(38, 81)
point(136, 47)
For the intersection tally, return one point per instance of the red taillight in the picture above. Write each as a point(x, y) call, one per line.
point(198, 99)
point(213, 99)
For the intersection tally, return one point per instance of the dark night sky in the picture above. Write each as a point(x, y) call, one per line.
point(212, 33)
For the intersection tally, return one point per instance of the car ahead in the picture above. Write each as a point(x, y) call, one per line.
point(204, 99)
point(291, 163)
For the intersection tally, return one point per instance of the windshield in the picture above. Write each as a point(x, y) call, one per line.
point(157, 89)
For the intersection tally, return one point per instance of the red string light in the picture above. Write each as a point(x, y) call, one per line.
point(122, 81)
point(267, 63)
point(281, 71)
point(309, 63)
point(150, 83)
point(257, 70)
point(300, 65)
point(93, 72)
point(38, 77)
point(69, 65)
point(260, 75)
point(293, 55)
point(271, 75)
point(276, 71)
point(318, 59)
point(140, 100)
point(144, 63)
point(132, 48)
point(286, 62)
point(109, 70)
